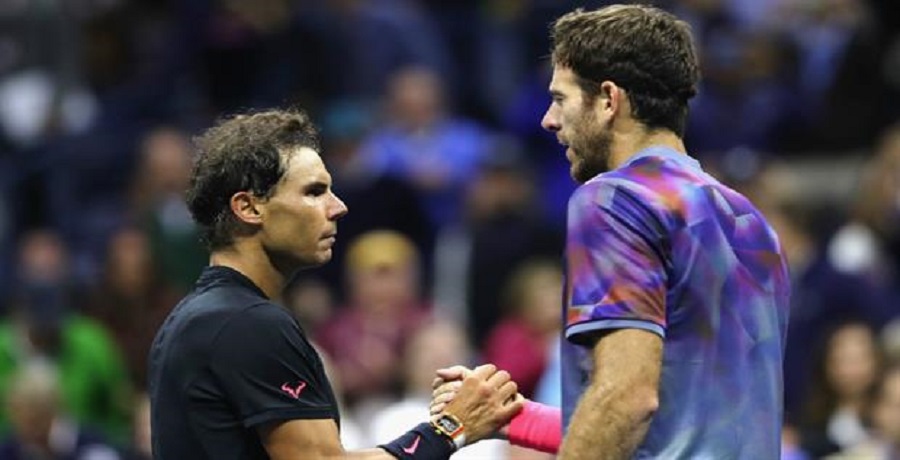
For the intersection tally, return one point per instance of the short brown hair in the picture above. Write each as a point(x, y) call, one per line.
point(643, 49)
point(245, 152)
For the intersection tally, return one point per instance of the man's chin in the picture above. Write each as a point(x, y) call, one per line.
point(323, 258)
point(577, 167)
point(313, 262)
point(574, 175)
point(574, 165)
point(579, 174)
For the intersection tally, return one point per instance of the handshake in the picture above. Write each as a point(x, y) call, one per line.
point(474, 404)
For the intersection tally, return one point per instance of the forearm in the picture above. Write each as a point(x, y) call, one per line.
point(408, 448)
point(363, 454)
point(298, 439)
point(328, 453)
point(607, 425)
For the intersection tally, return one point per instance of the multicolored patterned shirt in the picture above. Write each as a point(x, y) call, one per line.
point(660, 245)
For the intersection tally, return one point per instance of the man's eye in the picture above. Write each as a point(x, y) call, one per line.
point(316, 191)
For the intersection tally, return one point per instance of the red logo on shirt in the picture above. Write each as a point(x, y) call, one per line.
point(294, 392)
point(413, 447)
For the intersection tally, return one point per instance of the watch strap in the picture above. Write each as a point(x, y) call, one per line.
point(458, 436)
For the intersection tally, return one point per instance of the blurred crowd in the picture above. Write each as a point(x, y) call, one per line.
point(452, 248)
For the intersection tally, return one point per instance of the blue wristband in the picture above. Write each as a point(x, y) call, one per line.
point(421, 443)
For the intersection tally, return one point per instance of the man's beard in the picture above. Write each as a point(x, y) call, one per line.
point(591, 148)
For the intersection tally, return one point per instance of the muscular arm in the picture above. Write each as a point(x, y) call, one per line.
point(613, 415)
point(311, 439)
point(485, 403)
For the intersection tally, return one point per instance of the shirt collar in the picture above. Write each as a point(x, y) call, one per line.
point(220, 273)
point(665, 152)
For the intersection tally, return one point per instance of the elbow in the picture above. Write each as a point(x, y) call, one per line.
point(648, 405)
point(640, 402)
point(643, 403)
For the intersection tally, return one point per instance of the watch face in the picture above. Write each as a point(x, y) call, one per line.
point(448, 424)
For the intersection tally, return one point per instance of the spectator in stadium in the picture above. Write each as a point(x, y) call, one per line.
point(158, 188)
point(310, 301)
point(845, 373)
point(522, 340)
point(422, 142)
point(869, 244)
point(42, 429)
point(365, 338)
point(502, 228)
point(883, 416)
point(131, 300)
point(45, 325)
point(140, 447)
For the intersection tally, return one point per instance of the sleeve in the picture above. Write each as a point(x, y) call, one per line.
point(268, 370)
point(615, 263)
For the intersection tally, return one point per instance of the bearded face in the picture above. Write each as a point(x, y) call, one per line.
point(573, 117)
point(588, 149)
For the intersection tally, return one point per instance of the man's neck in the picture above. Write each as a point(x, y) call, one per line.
point(626, 144)
point(252, 262)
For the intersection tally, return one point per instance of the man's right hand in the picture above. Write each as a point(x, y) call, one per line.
point(484, 400)
point(445, 386)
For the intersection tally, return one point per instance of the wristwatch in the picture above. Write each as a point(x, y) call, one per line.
point(450, 426)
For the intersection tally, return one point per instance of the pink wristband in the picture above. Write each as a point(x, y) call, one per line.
point(537, 427)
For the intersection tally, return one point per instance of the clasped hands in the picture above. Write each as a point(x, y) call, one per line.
point(484, 399)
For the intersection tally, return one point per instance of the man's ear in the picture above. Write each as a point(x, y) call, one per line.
point(612, 98)
point(246, 208)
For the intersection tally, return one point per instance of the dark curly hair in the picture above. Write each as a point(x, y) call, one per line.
point(643, 49)
point(245, 152)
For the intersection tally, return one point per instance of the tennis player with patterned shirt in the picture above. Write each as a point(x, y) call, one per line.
point(676, 293)
point(232, 374)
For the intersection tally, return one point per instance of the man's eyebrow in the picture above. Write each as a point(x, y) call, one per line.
point(556, 93)
point(318, 183)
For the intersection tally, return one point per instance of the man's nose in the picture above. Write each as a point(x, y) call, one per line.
point(338, 208)
point(550, 121)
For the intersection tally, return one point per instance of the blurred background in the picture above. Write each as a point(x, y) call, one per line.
point(430, 115)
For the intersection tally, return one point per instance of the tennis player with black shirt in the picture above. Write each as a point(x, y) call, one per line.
point(232, 375)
